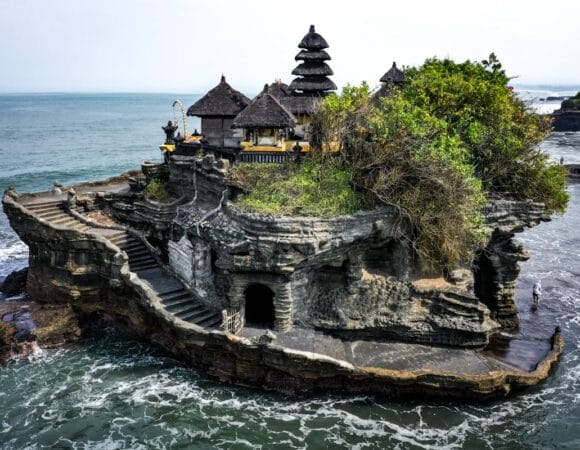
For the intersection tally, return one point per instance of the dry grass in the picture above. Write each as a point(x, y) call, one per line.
point(101, 217)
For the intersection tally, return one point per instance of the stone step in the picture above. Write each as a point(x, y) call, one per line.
point(81, 227)
point(64, 219)
point(197, 315)
point(170, 292)
point(141, 258)
point(119, 240)
point(176, 302)
point(212, 322)
point(141, 262)
point(187, 309)
point(200, 319)
point(50, 213)
point(41, 205)
point(137, 252)
point(133, 244)
point(142, 267)
point(66, 223)
point(174, 295)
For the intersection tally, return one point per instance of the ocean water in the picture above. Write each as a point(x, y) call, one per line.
point(115, 392)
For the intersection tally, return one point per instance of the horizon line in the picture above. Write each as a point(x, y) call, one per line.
point(88, 92)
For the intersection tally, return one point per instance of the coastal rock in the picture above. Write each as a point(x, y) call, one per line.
point(496, 266)
point(25, 326)
point(15, 283)
point(352, 276)
point(567, 118)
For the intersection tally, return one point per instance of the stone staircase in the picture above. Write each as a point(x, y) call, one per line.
point(176, 299)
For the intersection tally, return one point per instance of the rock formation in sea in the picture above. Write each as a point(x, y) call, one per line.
point(567, 118)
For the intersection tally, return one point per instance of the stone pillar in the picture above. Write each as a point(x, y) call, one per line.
point(236, 294)
point(283, 307)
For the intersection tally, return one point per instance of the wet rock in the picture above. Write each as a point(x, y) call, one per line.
point(15, 283)
point(23, 326)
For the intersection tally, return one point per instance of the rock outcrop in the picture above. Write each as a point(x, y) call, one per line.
point(14, 283)
point(496, 267)
point(567, 118)
point(26, 326)
point(352, 276)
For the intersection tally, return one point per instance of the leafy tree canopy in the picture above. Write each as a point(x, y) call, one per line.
point(453, 136)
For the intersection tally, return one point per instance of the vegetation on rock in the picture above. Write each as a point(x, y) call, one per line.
point(453, 136)
point(572, 103)
point(157, 191)
point(306, 189)
point(438, 148)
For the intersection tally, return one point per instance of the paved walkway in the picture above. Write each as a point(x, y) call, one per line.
point(501, 354)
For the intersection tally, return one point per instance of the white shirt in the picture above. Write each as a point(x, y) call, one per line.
point(537, 288)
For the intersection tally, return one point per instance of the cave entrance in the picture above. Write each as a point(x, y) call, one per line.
point(259, 306)
point(484, 274)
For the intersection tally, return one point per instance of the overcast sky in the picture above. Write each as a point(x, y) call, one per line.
point(185, 45)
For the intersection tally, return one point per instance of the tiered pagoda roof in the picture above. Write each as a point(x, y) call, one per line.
point(222, 101)
point(393, 78)
point(265, 111)
point(278, 89)
point(394, 75)
point(313, 72)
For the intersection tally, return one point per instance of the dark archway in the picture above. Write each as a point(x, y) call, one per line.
point(484, 275)
point(259, 306)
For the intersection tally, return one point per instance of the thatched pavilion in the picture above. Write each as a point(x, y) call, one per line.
point(217, 110)
point(266, 122)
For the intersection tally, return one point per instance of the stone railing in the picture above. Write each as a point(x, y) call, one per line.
point(266, 157)
point(232, 321)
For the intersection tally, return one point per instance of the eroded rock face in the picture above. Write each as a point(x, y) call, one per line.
point(351, 272)
point(352, 275)
point(496, 267)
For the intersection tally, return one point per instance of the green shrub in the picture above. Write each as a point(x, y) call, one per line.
point(156, 191)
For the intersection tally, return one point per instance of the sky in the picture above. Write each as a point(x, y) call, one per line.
point(185, 45)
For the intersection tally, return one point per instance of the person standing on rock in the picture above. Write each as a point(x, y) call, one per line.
point(536, 292)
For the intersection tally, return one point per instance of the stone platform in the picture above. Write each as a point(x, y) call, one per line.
point(502, 354)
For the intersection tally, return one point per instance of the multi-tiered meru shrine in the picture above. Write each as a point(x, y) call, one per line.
point(274, 126)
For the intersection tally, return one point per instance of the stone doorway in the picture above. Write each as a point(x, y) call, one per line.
point(259, 306)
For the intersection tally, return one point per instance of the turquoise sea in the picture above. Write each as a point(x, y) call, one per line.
point(114, 392)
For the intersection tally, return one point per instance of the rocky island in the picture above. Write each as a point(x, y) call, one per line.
point(199, 255)
point(567, 118)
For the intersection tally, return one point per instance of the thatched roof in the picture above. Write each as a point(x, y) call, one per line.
point(314, 55)
point(278, 89)
point(301, 105)
point(222, 100)
point(265, 112)
point(312, 68)
point(394, 75)
point(312, 84)
point(313, 41)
